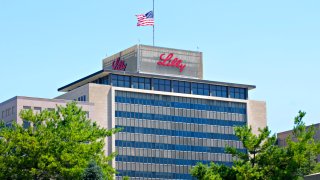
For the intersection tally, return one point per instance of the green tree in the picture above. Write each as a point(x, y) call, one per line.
point(264, 159)
point(302, 147)
point(93, 172)
point(126, 178)
point(58, 145)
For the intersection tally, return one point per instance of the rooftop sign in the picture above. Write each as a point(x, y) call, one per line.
point(170, 61)
point(119, 64)
point(157, 60)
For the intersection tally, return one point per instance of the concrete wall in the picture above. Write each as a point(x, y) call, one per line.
point(282, 137)
point(19, 103)
point(8, 110)
point(36, 103)
point(257, 115)
point(101, 112)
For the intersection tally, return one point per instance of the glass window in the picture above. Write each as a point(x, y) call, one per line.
point(120, 81)
point(181, 87)
point(141, 83)
point(9, 124)
point(238, 93)
point(26, 124)
point(26, 107)
point(103, 80)
point(162, 85)
point(200, 89)
point(219, 91)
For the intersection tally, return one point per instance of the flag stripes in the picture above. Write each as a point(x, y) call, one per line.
point(145, 19)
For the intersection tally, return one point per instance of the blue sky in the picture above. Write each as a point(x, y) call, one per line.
point(273, 44)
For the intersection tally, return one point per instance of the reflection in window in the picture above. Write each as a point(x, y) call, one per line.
point(238, 93)
point(120, 81)
point(26, 124)
point(219, 91)
point(141, 83)
point(103, 80)
point(181, 87)
point(161, 85)
point(168, 85)
point(200, 89)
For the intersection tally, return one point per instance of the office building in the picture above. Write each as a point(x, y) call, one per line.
point(171, 117)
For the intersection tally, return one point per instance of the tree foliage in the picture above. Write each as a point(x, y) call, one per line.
point(58, 145)
point(126, 178)
point(93, 172)
point(264, 159)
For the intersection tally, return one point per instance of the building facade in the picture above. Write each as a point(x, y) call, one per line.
point(282, 137)
point(171, 118)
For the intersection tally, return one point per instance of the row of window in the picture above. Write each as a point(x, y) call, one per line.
point(170, 118)
point(82, 98)
point(7, 112)
point(161, 175)
point(179, 99)
point(156, 160)
point(151, 102)
point(174, 86)
point(174, 126)
point(166, 132)
point(177, 147)
point(36, 109)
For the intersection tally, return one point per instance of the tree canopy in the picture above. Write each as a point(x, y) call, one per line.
point(93, 172)
point(58, 145)
point(264, 159)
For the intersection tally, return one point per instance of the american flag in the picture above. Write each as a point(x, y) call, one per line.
point(145, 19)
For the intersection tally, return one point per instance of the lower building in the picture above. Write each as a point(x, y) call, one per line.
point(11, 108)
point(282, 136)
point(171, 118)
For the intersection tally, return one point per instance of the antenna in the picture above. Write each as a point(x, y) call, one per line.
point(198, 48)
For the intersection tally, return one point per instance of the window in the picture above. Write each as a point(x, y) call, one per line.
point(181, 87)
point(238, 93)
point(2, 114)
point(141, 83)
point(162, 85)
point(9, 124)
point(120, 81)
point(219, 91)
point(50, 109)
point(26, 107)
point(200, 89)
point(12, 110)
point(82, 98)
point(103, 80)
point(37, 109)
point(26, 124)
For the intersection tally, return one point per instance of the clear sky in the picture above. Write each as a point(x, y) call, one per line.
point(272, 44)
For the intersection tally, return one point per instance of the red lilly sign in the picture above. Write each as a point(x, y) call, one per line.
point(170, 61)
point(119, 64)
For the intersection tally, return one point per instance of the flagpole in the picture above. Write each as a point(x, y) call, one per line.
point(153, 19)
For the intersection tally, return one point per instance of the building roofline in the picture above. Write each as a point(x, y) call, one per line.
point(44, 99)
point(8, 100)
point(54, 100)
point(142, 45)
point(80, 80)
point(291, 131)
point(103, 73)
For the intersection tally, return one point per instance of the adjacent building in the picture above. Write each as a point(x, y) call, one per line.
point(171, 117)
point(282, 136)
